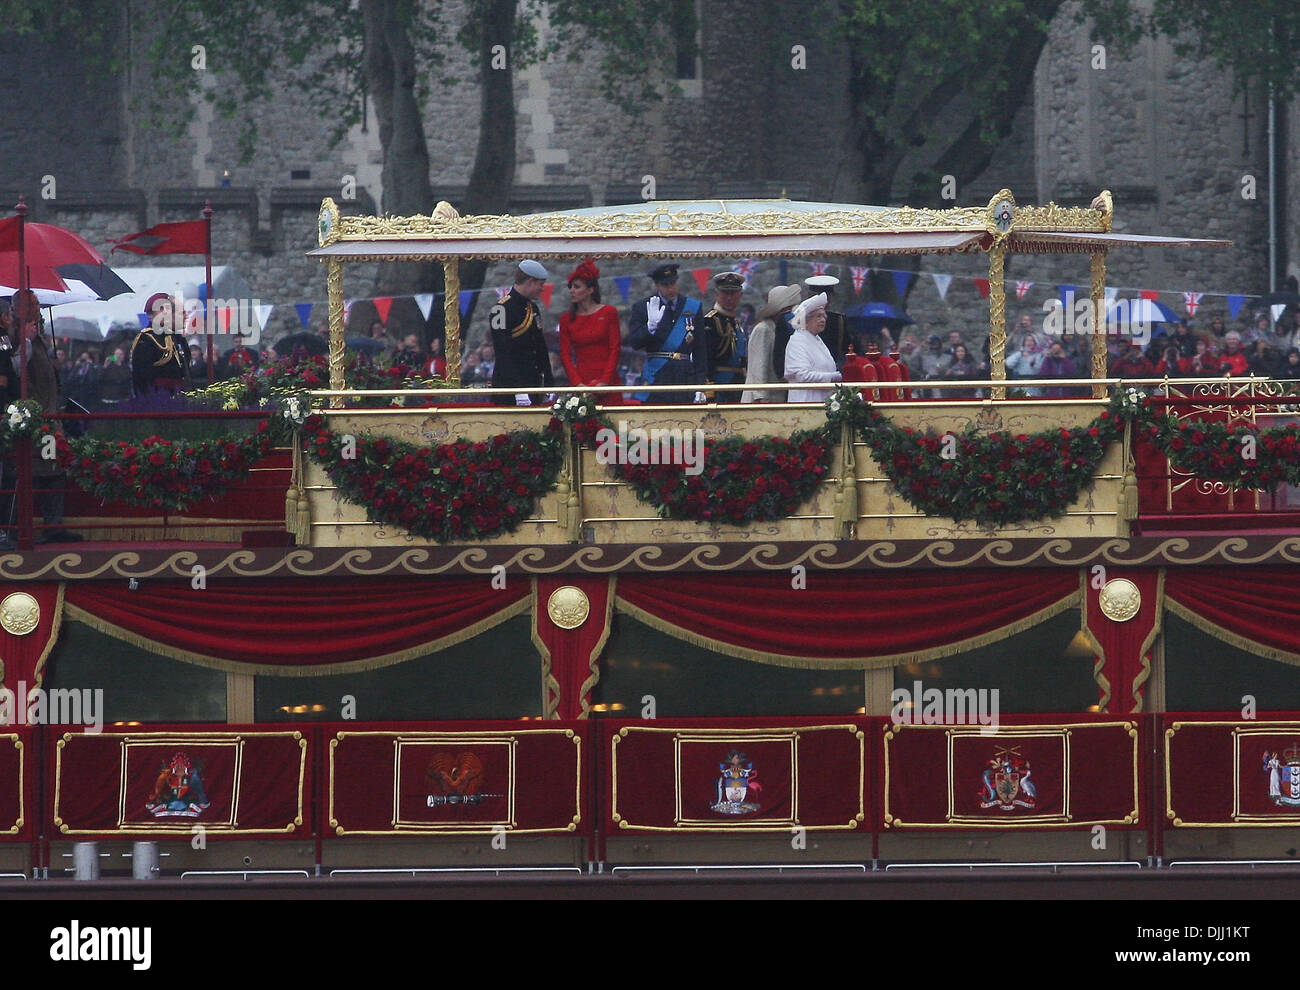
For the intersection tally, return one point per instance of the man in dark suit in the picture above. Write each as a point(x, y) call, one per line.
point(522, 359)
point(664, 326)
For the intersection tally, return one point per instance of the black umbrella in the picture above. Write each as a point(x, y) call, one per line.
point(100, 279)
point(309, 343)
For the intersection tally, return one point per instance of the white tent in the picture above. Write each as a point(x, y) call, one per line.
point(81, 320)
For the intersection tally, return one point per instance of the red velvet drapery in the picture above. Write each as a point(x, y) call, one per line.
point(296, 623)
point(572, 652)
point(22, 655)
point(1254, 608)
point(1123, 660)
point(884, 617)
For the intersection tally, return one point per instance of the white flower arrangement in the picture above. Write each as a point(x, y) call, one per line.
point(843, 403)
point(22, 418)
point(574, 408)
point(294, 409)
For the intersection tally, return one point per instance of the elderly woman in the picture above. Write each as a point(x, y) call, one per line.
point(807, 358)
point(781, 299)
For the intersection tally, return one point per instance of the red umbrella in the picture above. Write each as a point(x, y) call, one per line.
point(44, 248)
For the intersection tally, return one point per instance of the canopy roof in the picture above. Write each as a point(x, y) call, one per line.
point(712, 228)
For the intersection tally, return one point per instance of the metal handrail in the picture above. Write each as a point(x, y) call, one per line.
point(778, 867)
point(1054, 864)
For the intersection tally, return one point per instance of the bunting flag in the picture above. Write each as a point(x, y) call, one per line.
point(105, 323)
point(1234, 305)
point(1111, 294)
point(624, 285)
point(821, 267)
point(425, 301)
point(383, 305)
point(1277, 310)
point(747, 268)
point(466, 298)
point(347, 309)
point(941, 282)
point(784, 277)
point(263, 314)
point(1191, 300)
point(144, 320)
point(223, 318)
point(304, 313)
point(547, 289)
point(1152, 294)
point(701, 278)
point(902, 282)
point(1022, 287)
point(983, 285)
point(859, 275)
point(502, 292)
point(1067, 294)
point(186, 237)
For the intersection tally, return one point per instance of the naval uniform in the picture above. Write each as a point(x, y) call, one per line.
point(522, 359)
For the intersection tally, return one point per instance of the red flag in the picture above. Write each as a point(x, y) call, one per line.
point(186, 237)
point(701, 278)
point(983, 285)
point(1151, 294)
point(382, 305)
point(547, 289)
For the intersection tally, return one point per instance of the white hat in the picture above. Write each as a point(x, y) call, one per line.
point(779, 297)
point(821, 281)
point(533, 269)
point(800, 317)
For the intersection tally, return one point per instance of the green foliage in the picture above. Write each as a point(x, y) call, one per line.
point(1256, 41)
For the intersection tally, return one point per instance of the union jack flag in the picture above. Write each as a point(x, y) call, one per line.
point(747, 268)
point(1191, 300)
point(821, 267)
point(859, 277)
point(1022, 288)
point(347, 309)
point(502, 292)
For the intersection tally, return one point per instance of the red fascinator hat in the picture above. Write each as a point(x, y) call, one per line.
point(587, 271)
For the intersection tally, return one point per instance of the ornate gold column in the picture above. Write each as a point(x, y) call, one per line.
point(1098, 300)
point(334, 286)
point(451, 312)
point(997, 319)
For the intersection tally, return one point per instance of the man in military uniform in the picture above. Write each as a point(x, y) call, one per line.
point(522, 360)
point(664, 326)
point(724, 336)
point(836, 335)
point(159, 358)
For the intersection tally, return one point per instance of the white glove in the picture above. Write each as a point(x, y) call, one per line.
point(654, 311)
point(699, 397)
point(521, 399)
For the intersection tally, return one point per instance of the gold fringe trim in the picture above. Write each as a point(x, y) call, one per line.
point(55, 627)
point(1099, 663)
point(310, 670)
point(550, 686)
point(853, 663)
point(593, 661)
point(1231, 638)
point(1144, 651)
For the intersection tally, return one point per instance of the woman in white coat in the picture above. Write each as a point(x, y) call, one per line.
point(760, 369)
point(807, 358)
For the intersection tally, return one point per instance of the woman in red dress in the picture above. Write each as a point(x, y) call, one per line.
point(591, 339)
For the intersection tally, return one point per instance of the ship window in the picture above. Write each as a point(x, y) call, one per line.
point(691, 681)
point(496, 675)
point(1205, 674)
point(1047, 668)
point(138, 686)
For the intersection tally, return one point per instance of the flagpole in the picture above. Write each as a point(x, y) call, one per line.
point(207, 264)
point(23, 445)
